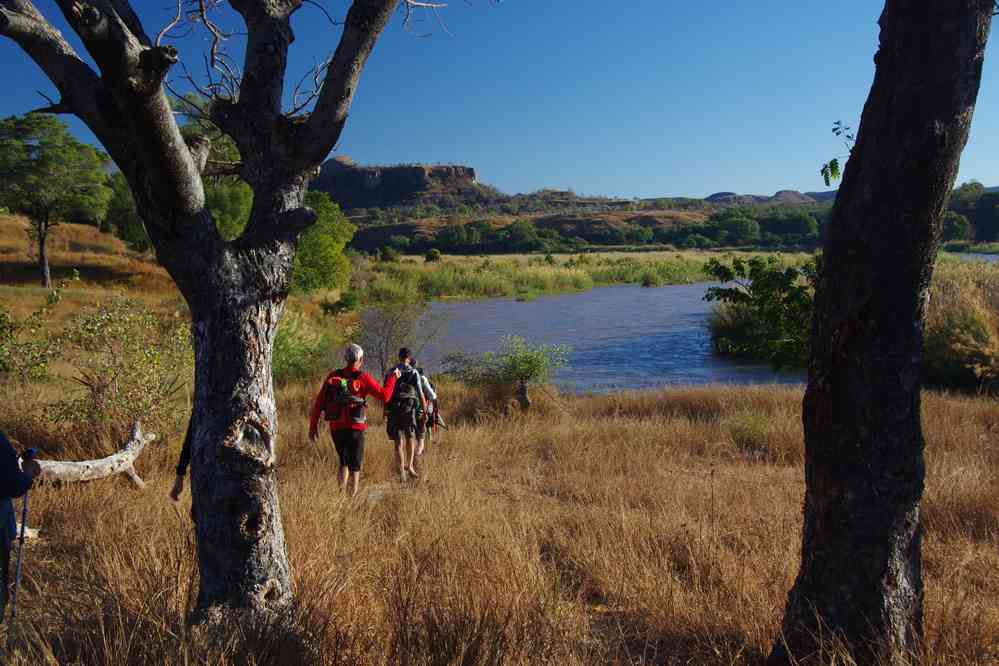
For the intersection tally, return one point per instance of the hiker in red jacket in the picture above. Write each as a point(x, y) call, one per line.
point(343, 400)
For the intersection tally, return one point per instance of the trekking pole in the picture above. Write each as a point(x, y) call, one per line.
point(26, 456)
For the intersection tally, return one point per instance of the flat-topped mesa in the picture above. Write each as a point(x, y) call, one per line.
point(354, 186)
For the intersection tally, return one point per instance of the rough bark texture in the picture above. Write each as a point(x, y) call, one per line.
point(43, 257)
point(236, 290)
point(122, 462)
point(860, 580)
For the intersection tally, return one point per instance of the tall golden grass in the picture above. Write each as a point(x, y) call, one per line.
point(639, 528)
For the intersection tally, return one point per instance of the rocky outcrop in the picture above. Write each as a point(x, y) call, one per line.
point(354, 186)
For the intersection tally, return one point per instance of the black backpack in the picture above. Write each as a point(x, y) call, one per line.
point(406, 396)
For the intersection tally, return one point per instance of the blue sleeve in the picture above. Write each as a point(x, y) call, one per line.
point(13, 482)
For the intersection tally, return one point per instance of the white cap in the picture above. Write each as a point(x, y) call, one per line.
point(353, 353)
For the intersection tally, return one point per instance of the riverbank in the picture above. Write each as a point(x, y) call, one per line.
point(527, 276)
point(639, 528)
point(961, 332)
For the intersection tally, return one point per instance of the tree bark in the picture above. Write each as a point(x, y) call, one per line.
point(523, 395)
point(241, 549)
point(859, 588)
point(235, 311)
point(43, 257)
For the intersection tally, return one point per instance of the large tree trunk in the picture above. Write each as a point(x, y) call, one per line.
point(241, 550)
point(236, 299)
point(860, 581)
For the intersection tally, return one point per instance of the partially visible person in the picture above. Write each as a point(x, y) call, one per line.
point(16, 476)
point(425, 420)
point(182, 464)
point(404, 409)
point(343, 401)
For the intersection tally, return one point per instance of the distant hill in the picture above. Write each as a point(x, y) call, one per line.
point(354, 186)
point(451, 186)
point(783, 197)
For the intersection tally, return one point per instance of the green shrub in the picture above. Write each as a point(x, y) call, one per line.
point(300, 351)
point(432, 256)
point(127, 363)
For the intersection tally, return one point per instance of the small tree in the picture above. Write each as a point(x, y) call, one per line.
point(48, 176)
point(386, 327)
point(517, 364)
point(320, 262)
point(773, 304)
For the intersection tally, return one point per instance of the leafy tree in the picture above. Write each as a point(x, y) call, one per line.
point(230, 202)
point(122, 217)
point(772, 306)
point(401, 243)
point(48, 176)
point(964, 197)
point(639, 235)
point(517, 365)
point(740, 230)
point(956, 227)
point(986, 217)
point(235, 291)
point(320, 262)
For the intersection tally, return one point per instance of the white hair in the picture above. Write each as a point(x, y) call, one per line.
point(353, 353)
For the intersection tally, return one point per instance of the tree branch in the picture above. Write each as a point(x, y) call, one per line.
point(134, 74)
point(78, 85)
point(365, 22)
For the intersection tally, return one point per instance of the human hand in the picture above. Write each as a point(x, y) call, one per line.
point(178, 488)
point(397, 372)
point(313, 436)
point(31, 467)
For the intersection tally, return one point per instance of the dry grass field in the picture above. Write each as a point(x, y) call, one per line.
point(637, 528)
point(644, 528)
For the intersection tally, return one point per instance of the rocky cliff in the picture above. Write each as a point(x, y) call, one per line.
point(354, 186)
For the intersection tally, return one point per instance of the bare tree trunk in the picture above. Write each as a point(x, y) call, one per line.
point(241, 550)
point(523, 395)
point(43, 257)
point(860, 583)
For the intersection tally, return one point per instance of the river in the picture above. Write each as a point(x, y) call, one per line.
point(622, 337)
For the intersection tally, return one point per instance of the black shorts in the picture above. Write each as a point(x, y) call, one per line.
point(401, 423)
point(349, 445)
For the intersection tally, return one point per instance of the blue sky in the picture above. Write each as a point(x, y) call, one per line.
point(630, 98)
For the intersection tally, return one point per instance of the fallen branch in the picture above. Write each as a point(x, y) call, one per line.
point(122, 462)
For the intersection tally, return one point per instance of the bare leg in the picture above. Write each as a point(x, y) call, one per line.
point(355, 480)
point(411, 455)
point(400, 458)
point(344, 472)
point(420, 443)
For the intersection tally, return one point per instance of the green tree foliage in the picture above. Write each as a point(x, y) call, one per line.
point(122, 217)
point(766, 309)
point(956, 227)
point(320, 262)
point(986, 217)
point(49, 177)
point(127, 362)
point(516, 365)
point(230, 201)
point(433, 255)
point(965, 196)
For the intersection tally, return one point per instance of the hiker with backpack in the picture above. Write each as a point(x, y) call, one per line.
point(343, 401)
point(408, 401)
point(16, 476)
point(425, 420)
